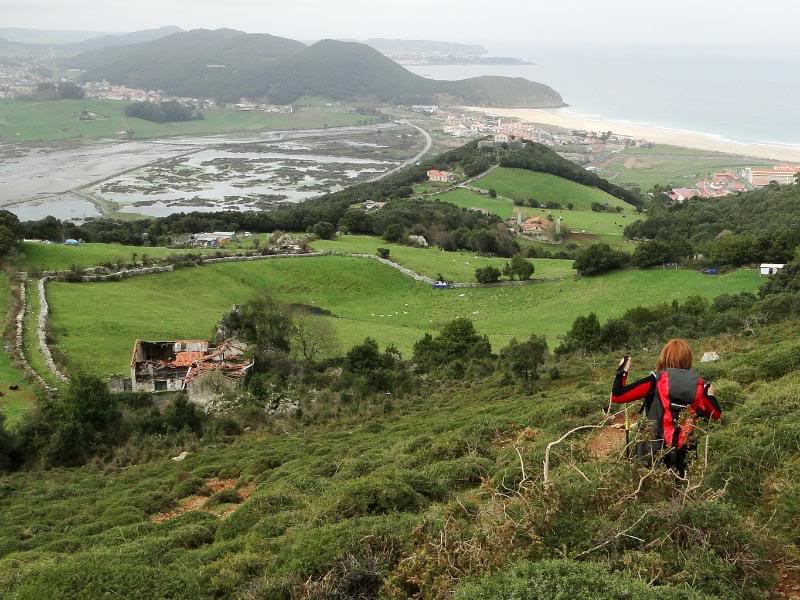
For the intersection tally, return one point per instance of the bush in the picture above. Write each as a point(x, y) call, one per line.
point(487, 274)
point(565, 580)
point(324, 230)
point(383, 252)
point(599, 258)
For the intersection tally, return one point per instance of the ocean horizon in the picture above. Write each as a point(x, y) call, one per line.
point(732, 95)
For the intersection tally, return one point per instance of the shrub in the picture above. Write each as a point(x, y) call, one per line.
point(373, 495)
point(487, 274)
point(599, 258)
point(383, 252)
point(565, 580)
point(324, 230)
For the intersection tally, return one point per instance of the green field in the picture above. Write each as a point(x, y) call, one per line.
point(669, 166)
point(503, 208)
point(25, 121)
point(35, 256)
point(13, 404)
point(520, 184)
point(365, 297)
point(455, 266)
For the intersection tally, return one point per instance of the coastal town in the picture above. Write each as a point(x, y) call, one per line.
point(592, 149)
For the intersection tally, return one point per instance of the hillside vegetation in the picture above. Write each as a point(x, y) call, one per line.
point(230, 64)
point(761, 225)
point(420, 497)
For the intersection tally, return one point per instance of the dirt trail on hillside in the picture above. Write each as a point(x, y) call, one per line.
point(198, 502)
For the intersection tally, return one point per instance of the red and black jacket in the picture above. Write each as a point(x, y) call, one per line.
point(663, 405)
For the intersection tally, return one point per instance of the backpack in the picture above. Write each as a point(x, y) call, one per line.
point(675, 390)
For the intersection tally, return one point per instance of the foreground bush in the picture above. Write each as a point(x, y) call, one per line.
point(565, 580)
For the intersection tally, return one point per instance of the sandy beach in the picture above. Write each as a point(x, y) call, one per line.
point(686, 139)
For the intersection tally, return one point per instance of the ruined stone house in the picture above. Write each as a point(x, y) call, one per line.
point(202, 370)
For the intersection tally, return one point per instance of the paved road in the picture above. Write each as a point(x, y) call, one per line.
point(414, 159)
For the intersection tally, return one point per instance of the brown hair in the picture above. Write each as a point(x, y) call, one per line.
point(676, 354)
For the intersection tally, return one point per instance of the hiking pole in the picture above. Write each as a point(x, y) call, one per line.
point(627, 434)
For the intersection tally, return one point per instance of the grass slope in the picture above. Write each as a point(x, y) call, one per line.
point(34, 256)
point(25, 121)
point(367, 299)
point(520, 184)
point(455, 266)
point(13, 404)
point(428, 478)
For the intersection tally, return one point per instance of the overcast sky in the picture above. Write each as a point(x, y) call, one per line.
point(498, 23)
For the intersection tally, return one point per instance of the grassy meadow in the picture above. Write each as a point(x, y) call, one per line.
point(35, 256)
point(38, 121)
point(519, 184)
point(669, 166)
point(13, 404)
point(455, 266)
point(364, 297)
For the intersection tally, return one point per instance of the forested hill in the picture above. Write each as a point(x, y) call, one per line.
point(229, 64)
point(761, 225)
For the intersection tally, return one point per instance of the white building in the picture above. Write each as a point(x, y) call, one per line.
point(768, 269)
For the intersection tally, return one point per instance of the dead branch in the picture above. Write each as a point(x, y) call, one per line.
point(616, 536)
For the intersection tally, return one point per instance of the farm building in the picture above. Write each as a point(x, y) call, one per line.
point(441, 176)
point(192, 365)
point(212, 240)
point(768, 269)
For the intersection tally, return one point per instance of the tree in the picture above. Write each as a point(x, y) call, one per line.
point(584, 335)
point(313, 337)
point(458, 340)
point(394, 233)
point(324, 230)
point(487, 274)
point(651, 253)
point(522, 360)
point(599, 258)
point(383, 252)
point(265, 322)
point(363, 358)
point(519, 267)
point(492, 193)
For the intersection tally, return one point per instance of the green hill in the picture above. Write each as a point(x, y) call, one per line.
point(230, 64)
point(520, 184)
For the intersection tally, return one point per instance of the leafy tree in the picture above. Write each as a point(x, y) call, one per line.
point(523, 359)
point(383, 252)
point(583, 336)
point(364, 357)
point(458, 339)
point(394, 233)
point(492, 193)
point(520, 268)
point(599, 258)
point(182, 414)
point(651, 253)
point(732, 249)
point(265, 322)
point(487, 274)
point(324, 230)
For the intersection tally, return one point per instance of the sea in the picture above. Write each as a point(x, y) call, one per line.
point(736, 93)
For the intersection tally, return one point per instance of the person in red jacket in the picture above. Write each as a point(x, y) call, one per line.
point(675, 396)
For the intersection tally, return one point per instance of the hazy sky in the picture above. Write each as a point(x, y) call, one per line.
point(498, 23)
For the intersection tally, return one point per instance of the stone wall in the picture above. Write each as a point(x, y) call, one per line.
point(19, 344)
point(41, 331)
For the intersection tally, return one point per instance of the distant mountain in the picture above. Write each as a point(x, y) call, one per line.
point(48, 36)
point(121, 39)
point(229, 64)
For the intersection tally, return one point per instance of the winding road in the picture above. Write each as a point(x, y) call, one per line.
point(414, 159)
